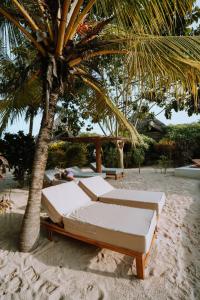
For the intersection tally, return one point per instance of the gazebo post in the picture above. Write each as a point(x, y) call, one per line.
point(98, 156)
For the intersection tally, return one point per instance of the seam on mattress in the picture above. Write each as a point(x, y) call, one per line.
point(87, 191)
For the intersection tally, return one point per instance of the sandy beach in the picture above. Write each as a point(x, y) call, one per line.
point(69, 269)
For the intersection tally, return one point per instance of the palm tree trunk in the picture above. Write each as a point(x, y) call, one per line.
point(31, 222)
point(120, 148)
point(31, 124)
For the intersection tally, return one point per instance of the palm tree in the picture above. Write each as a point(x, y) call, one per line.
point(67, 34)
point(19, 95)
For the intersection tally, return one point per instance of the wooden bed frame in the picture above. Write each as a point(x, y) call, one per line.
point(116, 176)
point(141, 258)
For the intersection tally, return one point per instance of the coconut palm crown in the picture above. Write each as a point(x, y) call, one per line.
point(67, 34)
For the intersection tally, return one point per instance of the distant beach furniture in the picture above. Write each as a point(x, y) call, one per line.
point(50, 179)
point(116, 172)
point(85, 174)
point(196, 161)
point(126, 230)
point(99, 189)
point(191, 171)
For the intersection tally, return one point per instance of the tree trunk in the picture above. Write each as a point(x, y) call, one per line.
point(30, 229)
point(31, 124)
point(120, 148)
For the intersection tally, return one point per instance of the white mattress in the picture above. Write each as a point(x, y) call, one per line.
point(62, 199)
point(99, 189)
point(95, 187)
point(133, 198)
point(130, 228)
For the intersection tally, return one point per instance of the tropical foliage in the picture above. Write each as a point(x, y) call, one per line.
point(187, 141)
point(65, 155)
point(19, 151)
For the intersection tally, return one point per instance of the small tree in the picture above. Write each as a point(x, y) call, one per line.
point(164, 163)
point(19, 151)
point(139, 156)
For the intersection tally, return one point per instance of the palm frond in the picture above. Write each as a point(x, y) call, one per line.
point(104, 104)
point(144, 16)
point(172, 59)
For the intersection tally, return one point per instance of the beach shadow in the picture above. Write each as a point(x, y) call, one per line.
point(77, 255)
point(65, 252)
point(10, 224)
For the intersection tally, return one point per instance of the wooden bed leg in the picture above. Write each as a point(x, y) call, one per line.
point(140, 266)
point(50, 235)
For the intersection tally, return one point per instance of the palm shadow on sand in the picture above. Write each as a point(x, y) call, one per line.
point(65, 252)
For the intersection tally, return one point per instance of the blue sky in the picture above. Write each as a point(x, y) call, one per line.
point(177, 118)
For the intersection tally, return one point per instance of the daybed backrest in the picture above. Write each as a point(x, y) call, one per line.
point(62, 199)
point(93, 166)
point(95, 186)
point(49, 175)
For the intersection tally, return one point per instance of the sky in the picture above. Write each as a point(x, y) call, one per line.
point(177, 118)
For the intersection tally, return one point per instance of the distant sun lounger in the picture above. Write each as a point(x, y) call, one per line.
point(50, 179)
point(84, 174)
point(126, 230)
point(117, 172)
point(196, 161)
point(99, 189)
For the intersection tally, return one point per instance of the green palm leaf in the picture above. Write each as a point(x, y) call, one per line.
point(104, 105)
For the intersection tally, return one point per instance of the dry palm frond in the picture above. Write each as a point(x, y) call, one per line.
point(5, 205)
point(4, 161)
point(144, 16)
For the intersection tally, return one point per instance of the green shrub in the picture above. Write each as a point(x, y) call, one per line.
point(56, 155)
point(76, 155)
point(187, 141)
point(139, 156)
point(64, 154)
point(164, 163)
point(19, 151)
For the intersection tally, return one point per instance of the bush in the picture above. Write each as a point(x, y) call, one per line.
point(19, 151)
point(56, 155)
point(187, 141)
point(76, 155)
point(63, 155)
point(109, 154)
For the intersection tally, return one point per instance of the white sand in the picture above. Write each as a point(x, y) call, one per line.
point(69, 269)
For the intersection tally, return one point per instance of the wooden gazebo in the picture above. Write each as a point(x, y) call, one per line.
point(97, 141)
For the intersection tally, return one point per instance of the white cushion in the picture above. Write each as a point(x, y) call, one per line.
point(62, 199)
point(49, 175)
point(99, 189)
point(95, 186)
point(126, 227)
point(133, 198)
